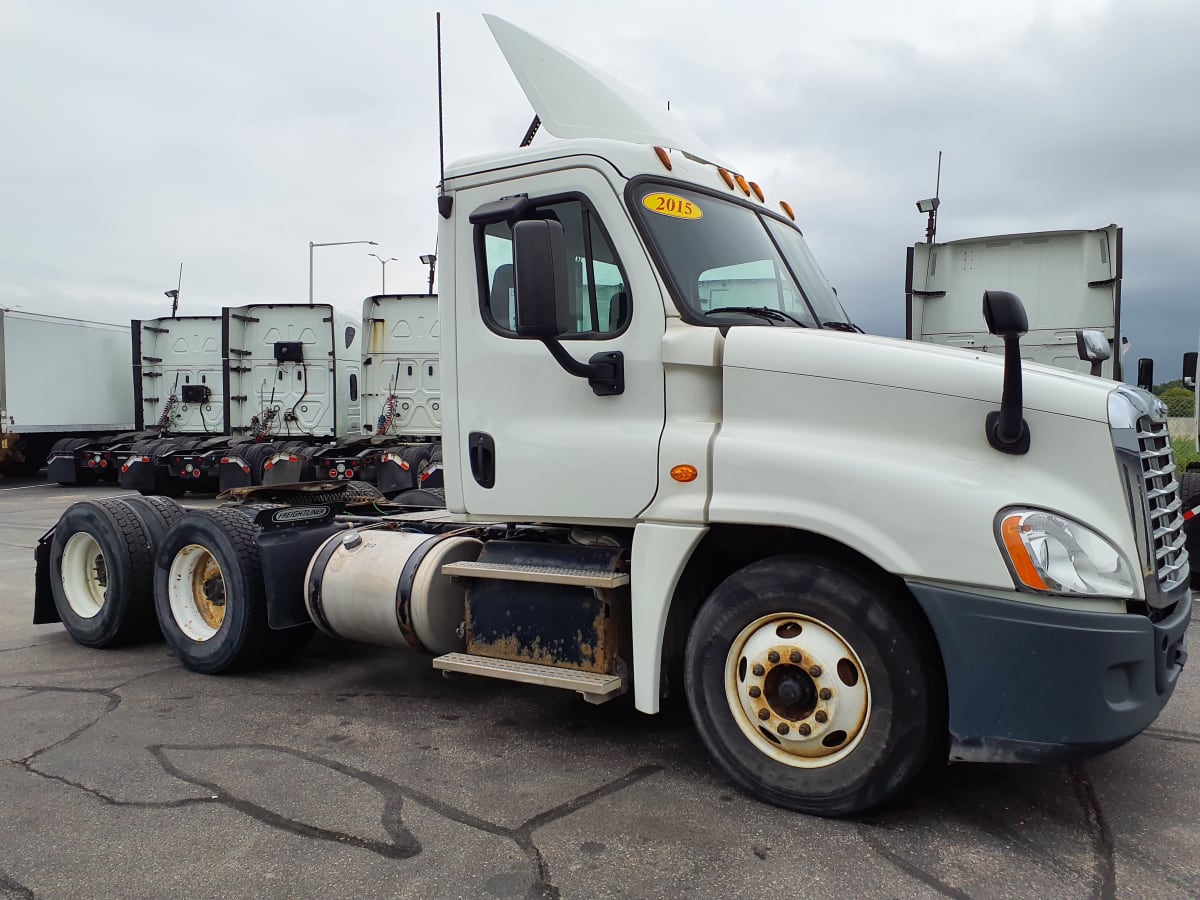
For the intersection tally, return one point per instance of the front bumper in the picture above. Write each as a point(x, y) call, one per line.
point(1028, 683)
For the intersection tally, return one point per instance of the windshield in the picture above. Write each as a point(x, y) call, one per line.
point(727, 263)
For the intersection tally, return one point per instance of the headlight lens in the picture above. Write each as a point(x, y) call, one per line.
point(1054, 555)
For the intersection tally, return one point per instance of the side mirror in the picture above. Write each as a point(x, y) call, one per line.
point(1005, 314)
point(540, 277)
point(1092, 345)
point(1189, 369)
point(1145, 379)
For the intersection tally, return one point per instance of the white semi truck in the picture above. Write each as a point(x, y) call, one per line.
point(399, 447)
point(1067, 280)
point(853, 556)
point(62, 381)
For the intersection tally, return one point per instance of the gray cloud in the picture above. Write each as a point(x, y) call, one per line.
point(228, 135)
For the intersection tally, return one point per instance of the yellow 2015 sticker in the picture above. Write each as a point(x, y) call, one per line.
point(672, 205)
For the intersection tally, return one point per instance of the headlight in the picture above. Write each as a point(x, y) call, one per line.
point(1053, 555)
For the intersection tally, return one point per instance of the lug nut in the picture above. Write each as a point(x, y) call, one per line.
point(815, 671)
point(797, 657)
point(804, 728)
point(783, 728)
point(772, 657)
point(821, 716)
point(825, 693)
point(758, 669)
point(755, 691)
point(764, 714)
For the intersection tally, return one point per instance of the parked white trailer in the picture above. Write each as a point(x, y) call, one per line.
point(60, 379)
point(851, 555)
point(1067, 280)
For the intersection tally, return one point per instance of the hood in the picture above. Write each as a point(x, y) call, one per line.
point(576, 100)
point(909, 365)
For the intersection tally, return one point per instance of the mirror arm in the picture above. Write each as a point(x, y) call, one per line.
point(605, 372)
point(1006, 429)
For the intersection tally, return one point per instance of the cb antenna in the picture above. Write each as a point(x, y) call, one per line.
point(441, 125)
point(174, 295)
point(930, 206)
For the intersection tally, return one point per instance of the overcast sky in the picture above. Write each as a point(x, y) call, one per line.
point(227, 135)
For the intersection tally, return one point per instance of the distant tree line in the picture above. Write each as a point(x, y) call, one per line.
point(1181, 402)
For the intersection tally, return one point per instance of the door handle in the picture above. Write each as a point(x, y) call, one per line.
point(481, 450)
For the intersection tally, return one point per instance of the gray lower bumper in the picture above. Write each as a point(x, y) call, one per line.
point(1030, 682)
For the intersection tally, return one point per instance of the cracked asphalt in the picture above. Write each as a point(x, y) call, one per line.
point(357, 771)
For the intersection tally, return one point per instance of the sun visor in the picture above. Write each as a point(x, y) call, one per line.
point(576, 100)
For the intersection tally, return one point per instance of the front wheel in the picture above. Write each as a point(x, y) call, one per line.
point(814, 689)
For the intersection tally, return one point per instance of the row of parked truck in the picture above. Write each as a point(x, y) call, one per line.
point(262, 393)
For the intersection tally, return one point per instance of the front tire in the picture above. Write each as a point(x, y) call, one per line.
point(813, 688)
point(209, 593)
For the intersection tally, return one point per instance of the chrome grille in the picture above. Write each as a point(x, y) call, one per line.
point(1163, 503)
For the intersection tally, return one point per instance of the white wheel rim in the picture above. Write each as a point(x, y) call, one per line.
point(196, 591)
point(788, 674)
point(84, 575)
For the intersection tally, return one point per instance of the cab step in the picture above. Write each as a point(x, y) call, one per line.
point(594, 687)
point(580, 577)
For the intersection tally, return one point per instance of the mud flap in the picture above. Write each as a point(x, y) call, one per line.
point(44, 610)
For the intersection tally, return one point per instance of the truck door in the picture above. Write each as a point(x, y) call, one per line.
point(535, 442)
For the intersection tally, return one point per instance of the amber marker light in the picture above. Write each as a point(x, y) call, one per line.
point(741, 182)
point(758, 192)
point(1010, 531)
point(684, 473)
point(663, 158)
point(726, 177)
point(787, 208)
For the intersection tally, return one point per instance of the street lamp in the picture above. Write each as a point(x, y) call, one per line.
point(326, 244)
point(430, 259)
point(383, 266)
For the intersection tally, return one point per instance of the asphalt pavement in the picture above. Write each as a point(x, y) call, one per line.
point(355, 771)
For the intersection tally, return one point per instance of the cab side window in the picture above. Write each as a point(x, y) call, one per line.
point(598, 298)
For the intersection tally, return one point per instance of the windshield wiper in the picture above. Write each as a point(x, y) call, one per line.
point(765, 312)
point(843, 326)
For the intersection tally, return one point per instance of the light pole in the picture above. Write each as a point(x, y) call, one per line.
point(430, 259)
point(383, 274)
point(326, 244)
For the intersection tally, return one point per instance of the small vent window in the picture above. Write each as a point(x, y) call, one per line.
point(353, 387)
point(349, 336)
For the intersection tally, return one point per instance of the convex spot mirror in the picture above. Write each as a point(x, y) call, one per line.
point(1004, 314)
point(1092, 345)
point(540, 277)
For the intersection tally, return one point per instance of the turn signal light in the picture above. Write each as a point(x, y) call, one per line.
point(684, 473)
point(1010, 531)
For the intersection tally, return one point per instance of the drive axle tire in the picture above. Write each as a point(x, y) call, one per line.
point(209, 593)
point(101, 568)
point(814, 689)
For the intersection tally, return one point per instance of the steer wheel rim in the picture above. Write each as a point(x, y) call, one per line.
point(196, 589)
point(797, 690)
point(84, 575)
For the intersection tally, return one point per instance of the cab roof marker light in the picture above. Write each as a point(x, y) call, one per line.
point(663, 158)
point(726, 177)
point(758, 192)
point(787, 209)
point(741, 182)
